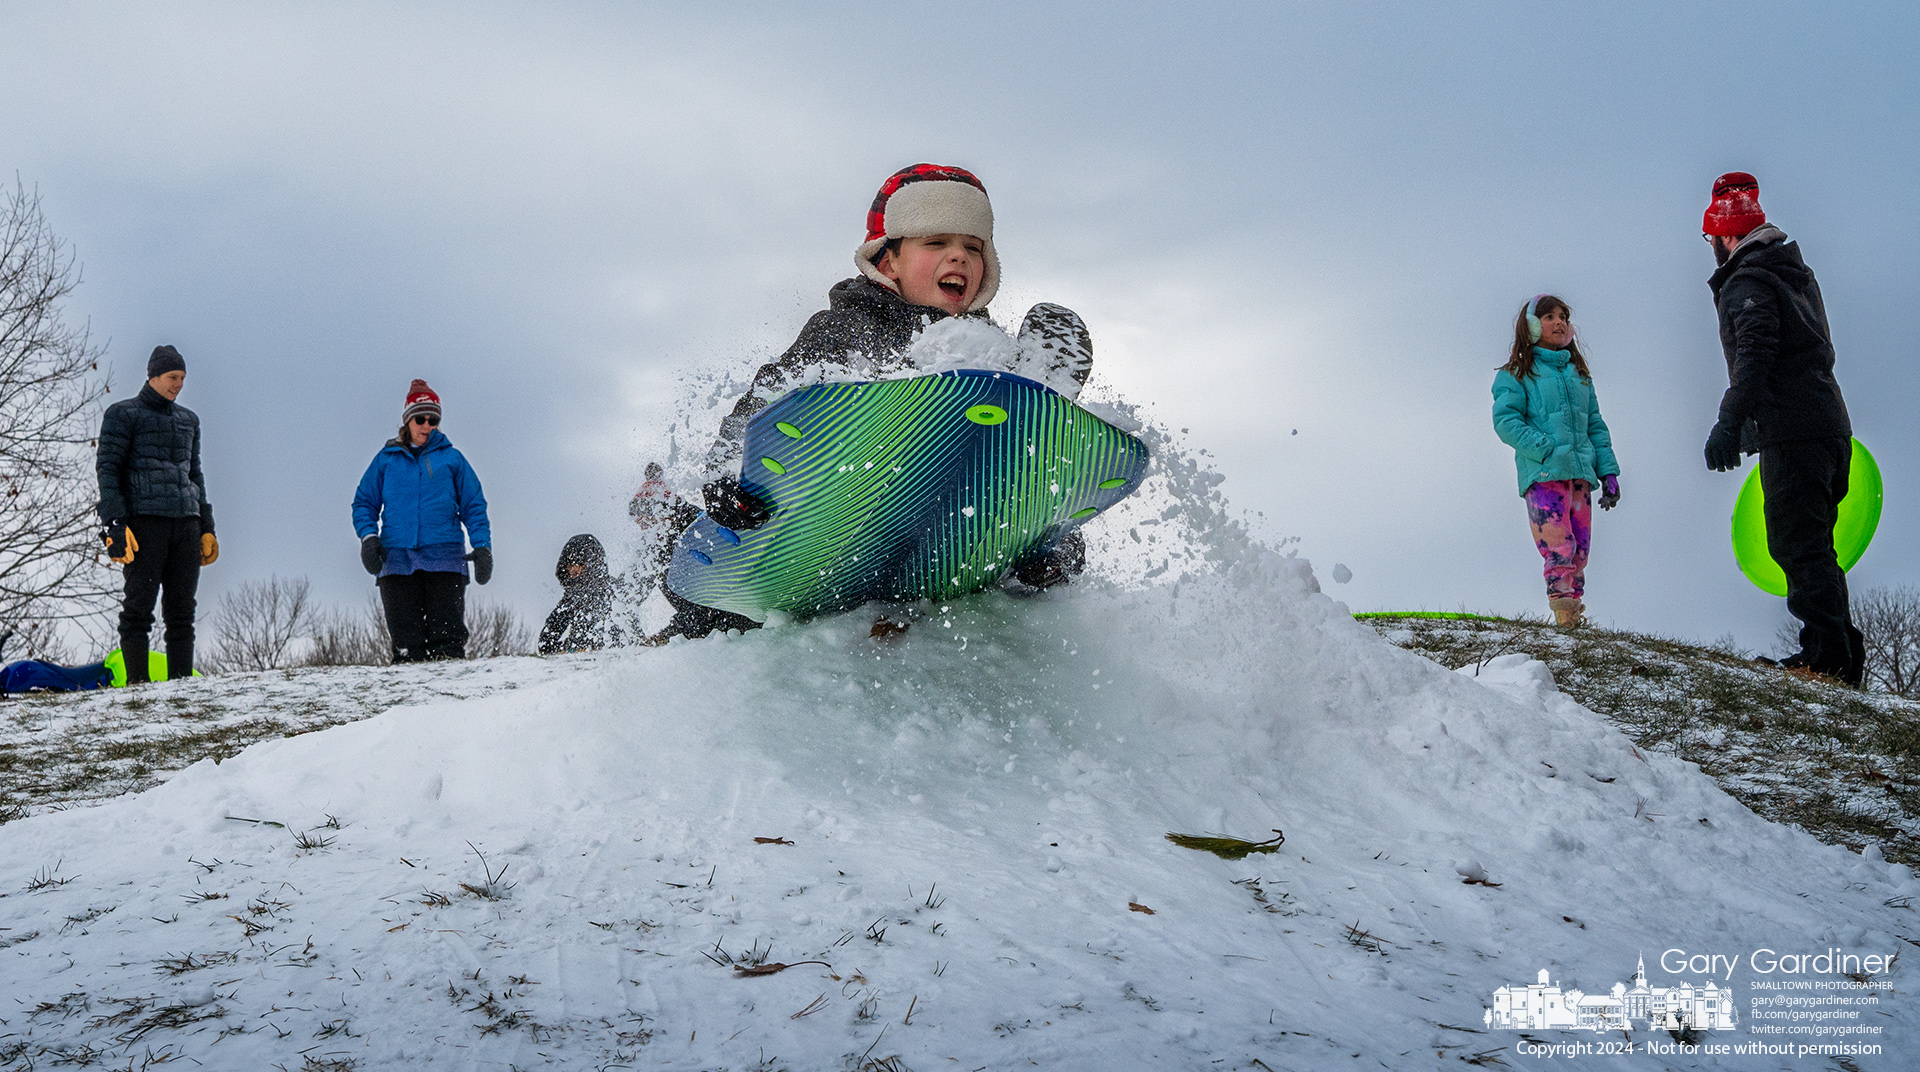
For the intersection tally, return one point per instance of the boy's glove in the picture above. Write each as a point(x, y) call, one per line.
point(1723, 448)
point(1057, 566)
point(482, 559)
point(121, 546)
point(1058, 341)
point(1609, 491)
point(732, 506)
point(373, 554)
point(209, 549)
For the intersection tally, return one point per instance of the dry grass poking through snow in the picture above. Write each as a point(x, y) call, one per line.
point(1840, 763)
point(62, 749)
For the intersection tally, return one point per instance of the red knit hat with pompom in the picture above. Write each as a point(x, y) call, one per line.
point(420, 399)
point(926, 200)
point(1735, 209)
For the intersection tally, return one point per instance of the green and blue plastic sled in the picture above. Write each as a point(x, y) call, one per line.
point(922, 488)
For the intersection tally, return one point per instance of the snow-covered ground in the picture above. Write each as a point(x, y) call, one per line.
point(61, 749)
point(973, 810)
point(1841, 763)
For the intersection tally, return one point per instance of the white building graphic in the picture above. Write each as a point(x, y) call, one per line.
point(1544, 1006)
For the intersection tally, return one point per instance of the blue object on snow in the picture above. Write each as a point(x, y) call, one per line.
point(30, 674)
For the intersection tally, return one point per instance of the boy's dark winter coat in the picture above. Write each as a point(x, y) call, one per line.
point(149, 461)
point(1773, 327)
point(862, 318)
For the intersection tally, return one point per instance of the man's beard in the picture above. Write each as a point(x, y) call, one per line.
point(1721, 254)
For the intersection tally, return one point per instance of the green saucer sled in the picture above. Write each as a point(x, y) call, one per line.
point(922, 488)
point(156, 667)
point(1852, 531)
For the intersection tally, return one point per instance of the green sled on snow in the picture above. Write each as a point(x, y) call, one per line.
point(156, 667)
point(923, 488)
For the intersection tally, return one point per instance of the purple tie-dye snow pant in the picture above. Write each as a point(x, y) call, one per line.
point(1561, 514)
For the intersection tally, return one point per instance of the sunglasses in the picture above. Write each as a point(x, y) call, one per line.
point(427, 419)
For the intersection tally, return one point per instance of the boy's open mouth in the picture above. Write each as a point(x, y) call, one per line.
point(954, 285)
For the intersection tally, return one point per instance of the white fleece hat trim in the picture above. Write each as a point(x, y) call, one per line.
point(935, 207)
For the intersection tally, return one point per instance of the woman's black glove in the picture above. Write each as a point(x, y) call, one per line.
point(482, 559)
point(373, 554)
point(732, 506)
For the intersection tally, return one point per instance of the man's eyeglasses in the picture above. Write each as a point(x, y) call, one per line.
point(428, 419)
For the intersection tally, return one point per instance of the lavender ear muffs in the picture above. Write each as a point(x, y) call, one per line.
point(1533, 321)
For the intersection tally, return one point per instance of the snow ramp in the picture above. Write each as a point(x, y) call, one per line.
point(965, 826)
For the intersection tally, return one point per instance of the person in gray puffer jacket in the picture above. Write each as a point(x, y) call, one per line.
point(154, 512)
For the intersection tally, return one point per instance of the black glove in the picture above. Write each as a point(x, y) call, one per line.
point(482, 559)
point(732, 506)
point(373, 554)
point(1057, 566)
point(120, 543)
point(1609, 491)
point(1723, 448)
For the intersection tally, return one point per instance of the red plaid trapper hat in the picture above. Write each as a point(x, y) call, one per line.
point(924, 200)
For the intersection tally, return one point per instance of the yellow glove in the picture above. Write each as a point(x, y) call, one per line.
point(121, 545)
point(209, 549)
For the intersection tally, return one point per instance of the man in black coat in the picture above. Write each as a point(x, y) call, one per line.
point(153, 506)
point(1783, 403)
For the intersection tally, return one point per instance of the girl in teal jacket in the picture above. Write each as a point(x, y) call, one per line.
point(1545, 408)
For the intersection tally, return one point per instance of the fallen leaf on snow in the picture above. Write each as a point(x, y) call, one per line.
point(771, 969)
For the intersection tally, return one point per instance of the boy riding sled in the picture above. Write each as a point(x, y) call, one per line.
point(928, 255)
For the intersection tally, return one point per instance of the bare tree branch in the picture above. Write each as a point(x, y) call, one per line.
point(258, 625)
point(52, 569)
point(493, 629)
point(1889, 619)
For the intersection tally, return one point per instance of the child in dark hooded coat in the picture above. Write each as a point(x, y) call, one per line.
point(586, 619)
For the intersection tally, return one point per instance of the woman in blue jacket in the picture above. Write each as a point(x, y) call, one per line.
point(409, 511)
point(1544, 407)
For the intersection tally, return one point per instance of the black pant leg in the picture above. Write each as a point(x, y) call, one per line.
point(402, 597)
point(445, 598)
point(1804, 484)
point(143, 577)
point(179, 586)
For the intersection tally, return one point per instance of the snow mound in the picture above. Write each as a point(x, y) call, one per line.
point(1005, 771)
point(966, 824)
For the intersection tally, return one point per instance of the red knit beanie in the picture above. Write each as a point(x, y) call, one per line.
point(420, 399)
point(926, 200)
point(1736, 206)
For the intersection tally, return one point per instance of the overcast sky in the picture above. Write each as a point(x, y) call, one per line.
point(1272, 216)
